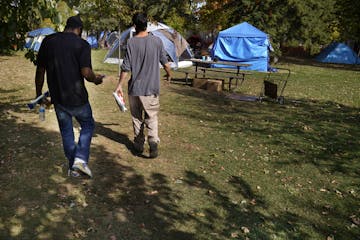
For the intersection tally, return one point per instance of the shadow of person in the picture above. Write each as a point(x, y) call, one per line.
point(103, 130)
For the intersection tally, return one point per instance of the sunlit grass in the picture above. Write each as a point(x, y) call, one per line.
point(227, 169)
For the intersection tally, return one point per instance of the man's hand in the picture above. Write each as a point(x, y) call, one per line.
point(46, 101)
point(122, 78)
point(98, 79)
point(119, 90)
point(167, 69)
point(168, 77)
point(90, 76)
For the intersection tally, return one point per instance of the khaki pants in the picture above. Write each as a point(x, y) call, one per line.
point(144, 112)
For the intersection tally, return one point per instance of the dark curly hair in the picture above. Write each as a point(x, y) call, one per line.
point(140, 21)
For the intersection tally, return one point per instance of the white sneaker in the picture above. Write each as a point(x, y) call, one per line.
point(81, 165)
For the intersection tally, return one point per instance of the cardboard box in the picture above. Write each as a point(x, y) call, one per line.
point(214, 85)
point(200, 83)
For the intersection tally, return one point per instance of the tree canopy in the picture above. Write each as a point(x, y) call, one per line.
point(286, 21)
point(309, 23)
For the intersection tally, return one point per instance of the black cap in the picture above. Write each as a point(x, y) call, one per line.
point(74, 22)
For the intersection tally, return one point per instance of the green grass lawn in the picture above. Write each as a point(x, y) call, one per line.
point(227, 169)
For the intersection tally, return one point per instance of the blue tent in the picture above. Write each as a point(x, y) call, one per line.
point(41, 31)
point(242, 43)
point(35, 37)
point(92, 41)
point(174, 44)
point(338, 53)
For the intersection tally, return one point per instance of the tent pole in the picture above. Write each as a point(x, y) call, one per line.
point(119, 49)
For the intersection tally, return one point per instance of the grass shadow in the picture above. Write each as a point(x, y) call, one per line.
point(102, 129)
point(117, 202)
point(332, 141)
point(243, 219)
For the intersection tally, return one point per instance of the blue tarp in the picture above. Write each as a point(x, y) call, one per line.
point(338, 53)
point(242, 43)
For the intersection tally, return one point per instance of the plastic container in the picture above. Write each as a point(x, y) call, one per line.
point(120, 102)
point(42, 113)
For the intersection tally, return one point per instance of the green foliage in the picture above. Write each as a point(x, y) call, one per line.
point(309, 23)
point(348, 14)
point(104, 15)
point(108, 14)
point(302, 22)
point(63, 13)
point(176, 21)
point(19, 17)
point(15, 17)
point(213, 16)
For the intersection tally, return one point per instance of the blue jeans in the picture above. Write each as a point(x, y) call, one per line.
point(83, 114)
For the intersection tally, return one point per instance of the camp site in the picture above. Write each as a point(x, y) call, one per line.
point(259, 124)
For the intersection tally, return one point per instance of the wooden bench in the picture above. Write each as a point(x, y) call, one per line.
point(187, 72)
point(238, 76)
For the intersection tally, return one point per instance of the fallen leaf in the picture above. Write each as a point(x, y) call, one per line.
point(200, 214)
point(153, 192)
point(330, 237)
point(355, 219)
point(307, 128)
point(339, 193)
point(352, 192)
point(211, 192)
point(245, 230)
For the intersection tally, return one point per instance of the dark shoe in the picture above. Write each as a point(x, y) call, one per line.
point(139, 148)
point(153, 149)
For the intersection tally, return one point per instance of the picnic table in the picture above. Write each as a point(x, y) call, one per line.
point(274, 82)
point(204, 68)
point(209, 63)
